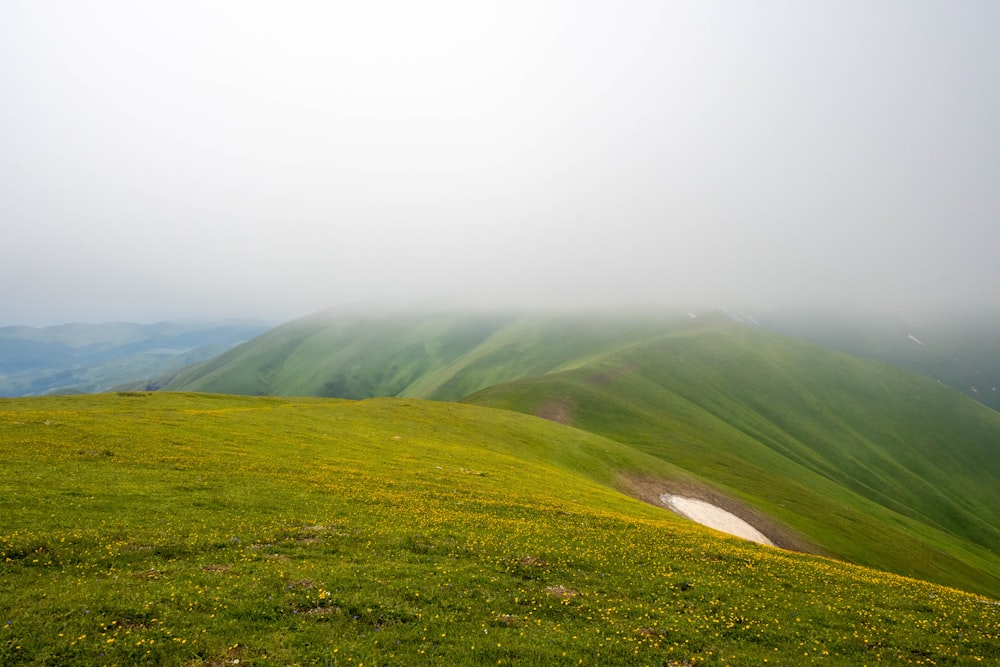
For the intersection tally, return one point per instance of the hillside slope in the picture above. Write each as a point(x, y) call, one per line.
point(875, 465)
point(862, 461)
point(960, 348)
point(197, 530)
point(438, 356)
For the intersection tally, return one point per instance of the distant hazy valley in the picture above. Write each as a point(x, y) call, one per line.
point(87, 358)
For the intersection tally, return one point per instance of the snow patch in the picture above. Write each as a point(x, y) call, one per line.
point(709, 515)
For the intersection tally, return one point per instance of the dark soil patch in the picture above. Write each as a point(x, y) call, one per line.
point(556, 410)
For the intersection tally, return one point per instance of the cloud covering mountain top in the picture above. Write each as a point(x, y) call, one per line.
point(251, 159)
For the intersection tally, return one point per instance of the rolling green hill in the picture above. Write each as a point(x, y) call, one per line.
point(959, 348)
point(184, 529)
point(875, 465)
point(439, 356)
point(833, 454)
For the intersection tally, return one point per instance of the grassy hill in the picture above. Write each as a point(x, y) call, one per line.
point(438, 356)
point(959, 348)
point(874, 465)
point(205, 530)
point(835, 455)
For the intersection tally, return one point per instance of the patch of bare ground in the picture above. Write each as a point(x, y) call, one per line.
point(556, 410)
point(561, 591)
point(508, 620)
point(649, 490)
point(216, 568)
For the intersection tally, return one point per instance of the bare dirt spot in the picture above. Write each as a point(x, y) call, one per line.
point(129, 623)
point(556, 410)
point(561, 591)
point(508, 620)
point(216, 568)
point(533, 562)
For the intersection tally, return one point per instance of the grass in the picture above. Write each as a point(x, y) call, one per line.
point(873, 465)
point(861, 461)
point(205, 530)
point(441, 356)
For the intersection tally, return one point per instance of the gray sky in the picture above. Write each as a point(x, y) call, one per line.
point(173, 159)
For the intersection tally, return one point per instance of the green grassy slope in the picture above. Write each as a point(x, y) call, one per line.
point(862, 461)
point(182, 529)
point(440, 356)
point(958, 347)
point(875, 465)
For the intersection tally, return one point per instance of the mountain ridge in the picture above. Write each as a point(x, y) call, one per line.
point(700, 410)
point(759, 418)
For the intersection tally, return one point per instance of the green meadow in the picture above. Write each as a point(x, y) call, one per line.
point(189, 529)
point(833, 454)
point(860, 460)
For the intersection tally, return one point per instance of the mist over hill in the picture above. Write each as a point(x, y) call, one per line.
point(848, 456)
point(958, 346)
point(838, 454)
point(743, 253)
point(86, 358)
point(874, 464)
point(438, 355)
point(358, 352)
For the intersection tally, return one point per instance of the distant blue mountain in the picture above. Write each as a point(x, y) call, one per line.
point(88, 358)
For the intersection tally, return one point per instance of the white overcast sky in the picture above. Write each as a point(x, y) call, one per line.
point(216, 159)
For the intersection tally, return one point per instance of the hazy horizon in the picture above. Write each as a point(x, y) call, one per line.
point(255, 160)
